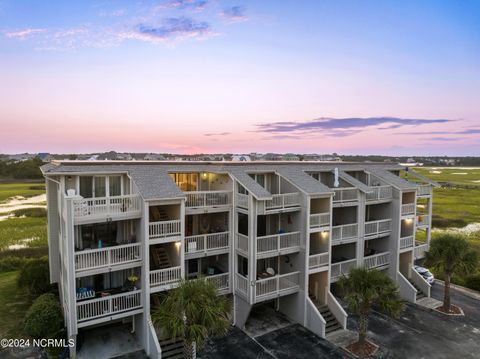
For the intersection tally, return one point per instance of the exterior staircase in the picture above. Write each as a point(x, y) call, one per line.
point(332, 324)
point(160, 258)
point(172, 348)
point(420, 294)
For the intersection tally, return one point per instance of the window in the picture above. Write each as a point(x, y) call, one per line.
point(86, 186)
point(115, 185)
point(100, 189)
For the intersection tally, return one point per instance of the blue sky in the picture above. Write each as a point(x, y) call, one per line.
point(385, 77)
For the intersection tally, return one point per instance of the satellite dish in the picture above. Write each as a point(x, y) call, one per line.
point(336, 183)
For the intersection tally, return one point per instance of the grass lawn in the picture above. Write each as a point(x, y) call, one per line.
point(14, 230)
point(14, 303)
point(30, 189)
point(456, 176)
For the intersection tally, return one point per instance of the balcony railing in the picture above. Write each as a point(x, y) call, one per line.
point(100, 307)
point(206, 242)
point(86, 208)
point(419, 251)
point(317, 260)
point(104, 257)
point(406, 242)
point(221, 281)
point(208, 198)
point(242, 243)
point(242, 285)
point(423, 190)
point(278, 242)
point(342, 268)
point(242, 200)
point(345, 194)
point(165, 276)
point(379, 193)
point(422, 220)
point(164, 229)
point(319, 220)
point(377, 260)
point(374, 228)
point(285, 200)
point(408, 208)
point(277, 285)
point(345, 231)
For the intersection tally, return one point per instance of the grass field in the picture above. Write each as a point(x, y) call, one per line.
point(30, 189)
point(14, 302)
point(17, 230)
point(453, 175)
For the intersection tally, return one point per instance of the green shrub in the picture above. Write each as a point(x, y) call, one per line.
point(9, 264)
point(33, 252)
point(35, 276)
point(30, 212)
point(473, 281)
point(44, 318)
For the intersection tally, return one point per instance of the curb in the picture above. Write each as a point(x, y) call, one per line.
point(466, 291)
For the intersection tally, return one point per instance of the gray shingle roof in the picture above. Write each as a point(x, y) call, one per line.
point(394, 180)
point(155, 183)
point(250, 184)
point(422, 177)
point(303, 181)
point(354, 182)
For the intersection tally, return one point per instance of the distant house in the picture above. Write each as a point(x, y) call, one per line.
point(43, 155)
point(290, 157)
point(241, 158)
point(154, 157)
point(272, 157)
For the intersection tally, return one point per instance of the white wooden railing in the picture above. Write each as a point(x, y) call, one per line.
point(221, 281)
point(407, 290)
point(106, 206)
point(315, 322)
point(208, 198)
point(277, 284)
point(406, 242)
point(242, 200)
point(423, 190)
point(379, 193)
point(283, 201)
point(99, 307)
point(373, 228)
point(317, 260)
point(206, 242)
point(376, 260)
point(422, 220)
point(342, 268)
point(337, 310)
point(164, 229)
point(345, 194)
point(419, 251)
point(242, 243)
point(242, 284)
point(277, 242)
point(165, 276)
point(344, 232)
point(319, 220)
point(408, 208)
point(102, 257)
point(421, 283)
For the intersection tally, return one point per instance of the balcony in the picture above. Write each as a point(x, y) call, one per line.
point(203, 199)
point(406, 242)
point(345, 196)
point(91, 259)
point(423, 191)
point(344, 233)
point(319, 220)
point(408, 209)
point(341, 268)
point(278, 244)
point(379, 193)
point(241, 244)
point(102, 208)
point(206, 244)
point(163, 279)
point(164, 231)
point(419, 251)
point(377, 260)
point(422, 220)
point(277, 286)
point(283, 201)
point(123, 303)
point(242, 200)
point(242, 286)
point(316, 261)
point(380, 228)
point(221, 281)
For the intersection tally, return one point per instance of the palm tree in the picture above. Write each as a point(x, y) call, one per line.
point(451, 254)
point(364, 288)
point(193, 311)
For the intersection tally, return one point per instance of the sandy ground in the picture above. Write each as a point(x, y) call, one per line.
point(19, 202)
point(468, 229)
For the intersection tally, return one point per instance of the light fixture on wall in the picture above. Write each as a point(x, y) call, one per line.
point(204, 175)
point(408, 220)
point(178, 244)
point(324, 234)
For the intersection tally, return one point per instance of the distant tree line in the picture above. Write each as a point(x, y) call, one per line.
point(29, 169)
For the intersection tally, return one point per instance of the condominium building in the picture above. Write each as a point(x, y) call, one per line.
point(279, 232)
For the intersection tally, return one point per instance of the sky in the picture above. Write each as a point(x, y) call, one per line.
point(212, 76)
